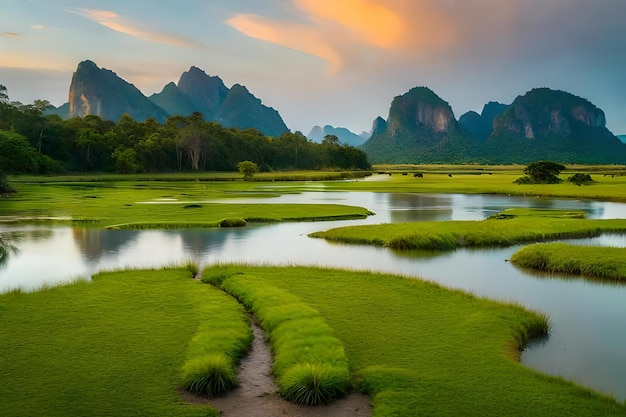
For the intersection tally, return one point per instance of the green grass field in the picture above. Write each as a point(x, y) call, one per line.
point(112, 347)
point(156, 204)
point(117, 346)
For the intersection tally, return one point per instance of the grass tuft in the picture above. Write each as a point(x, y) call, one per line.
point(211, 374)
point(313, 384)
point(233, 222)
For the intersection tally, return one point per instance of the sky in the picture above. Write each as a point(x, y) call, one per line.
point(318, 62)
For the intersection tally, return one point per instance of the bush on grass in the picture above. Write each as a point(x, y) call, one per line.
point(212, 374)
point(233, 222)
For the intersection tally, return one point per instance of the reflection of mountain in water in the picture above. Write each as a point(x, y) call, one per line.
point(418, 207)
point(94, 243)
point(198, 242)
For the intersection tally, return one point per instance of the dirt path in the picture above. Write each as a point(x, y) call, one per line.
point(257, 395)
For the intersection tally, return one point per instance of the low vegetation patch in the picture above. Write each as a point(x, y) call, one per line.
point(500, 231)
point(310, 363)
point(598, 262)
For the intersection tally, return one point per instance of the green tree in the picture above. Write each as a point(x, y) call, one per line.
point(542, 172)
point(16, 153)
point(248, 169)
point(125, 160)
point(5, 188)
point(580, 179)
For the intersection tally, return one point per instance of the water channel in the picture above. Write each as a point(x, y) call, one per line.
point(587, 343)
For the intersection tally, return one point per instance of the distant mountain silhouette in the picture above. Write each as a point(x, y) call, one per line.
point(344, 135)
point(101, 92)
point(480, 126)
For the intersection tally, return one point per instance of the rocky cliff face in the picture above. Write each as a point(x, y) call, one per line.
point(101, 92)
point(543, 112)
point(422, 109)
point(421, 128)
point(550, 124)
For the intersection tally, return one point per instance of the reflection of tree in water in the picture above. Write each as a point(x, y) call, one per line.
point(94, 243)
point(6, 248)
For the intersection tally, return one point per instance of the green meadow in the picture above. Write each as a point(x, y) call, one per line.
point(161, 204)
point(111, 347)
point(120, 345)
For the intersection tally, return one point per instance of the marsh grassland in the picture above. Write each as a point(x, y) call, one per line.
point(128, 343)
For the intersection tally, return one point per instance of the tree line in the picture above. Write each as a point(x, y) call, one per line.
point(33, 142)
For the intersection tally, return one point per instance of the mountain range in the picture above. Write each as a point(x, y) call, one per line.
point(101, 92)
point(541, 124)
point(420, 128)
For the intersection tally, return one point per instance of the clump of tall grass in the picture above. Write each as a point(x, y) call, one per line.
point(309, 361)
point(192, 267)
point(211, 374)
point(600, 262)
point(217, 347)
point(233, 222)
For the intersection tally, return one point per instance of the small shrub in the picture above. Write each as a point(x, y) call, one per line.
point(188, 206)
point(234, 222)
point(212, 374)
point(313, 384)
point(580, 179)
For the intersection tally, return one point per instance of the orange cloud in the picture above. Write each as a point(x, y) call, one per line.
point(370, 20)
point(337, 31)
point(289, 35)
point(117, 23)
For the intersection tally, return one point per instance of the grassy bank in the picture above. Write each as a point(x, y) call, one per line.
point(112, 347)
point(451, 234)
point(609, 182)
point(597, 262)
point(156, 204)
point(419, 349)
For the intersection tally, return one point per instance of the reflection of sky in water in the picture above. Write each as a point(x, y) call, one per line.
point(585, 345)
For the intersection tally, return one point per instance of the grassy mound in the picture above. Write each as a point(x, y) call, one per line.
point(447, 235)
point(598, 262)
point(310, 363)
